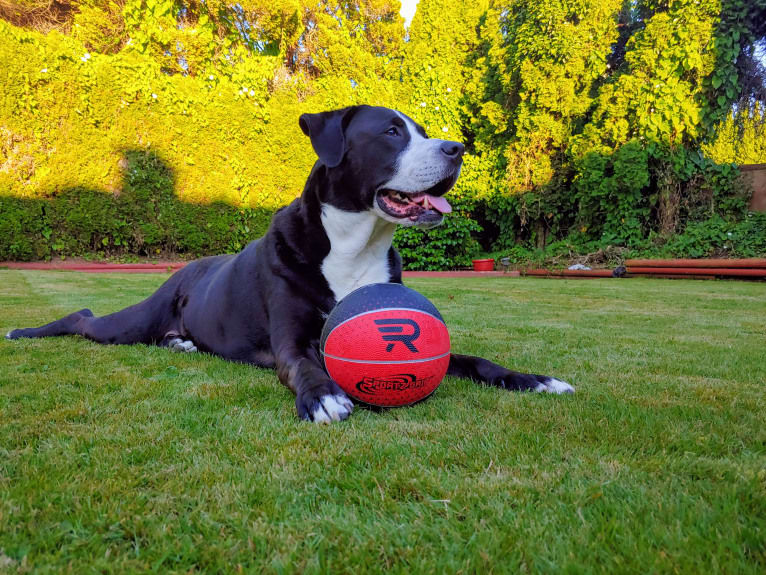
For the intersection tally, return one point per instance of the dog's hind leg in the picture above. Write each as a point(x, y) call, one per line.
point(65, 326)
point(140, 323)
point(148, 321)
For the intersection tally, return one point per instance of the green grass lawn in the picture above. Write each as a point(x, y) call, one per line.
point(133, 458)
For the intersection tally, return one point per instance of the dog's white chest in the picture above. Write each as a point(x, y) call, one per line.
point(359, 244)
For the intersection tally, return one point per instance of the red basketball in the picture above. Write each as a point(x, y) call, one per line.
point(386, 345)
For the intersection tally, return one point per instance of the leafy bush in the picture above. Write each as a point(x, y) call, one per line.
point(144, 218)
point(108, 154)
point(447, 246)
point(714, 237)
point(718, 237)
point(452, 244)
point(25, 230)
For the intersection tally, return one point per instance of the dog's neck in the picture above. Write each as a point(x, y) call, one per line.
point(359, 246)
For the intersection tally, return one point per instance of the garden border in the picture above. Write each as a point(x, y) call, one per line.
point(750, 269)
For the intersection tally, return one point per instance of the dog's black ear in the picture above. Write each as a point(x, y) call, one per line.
point(326, 132)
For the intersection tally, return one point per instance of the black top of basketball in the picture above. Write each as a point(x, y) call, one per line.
point(374, 297)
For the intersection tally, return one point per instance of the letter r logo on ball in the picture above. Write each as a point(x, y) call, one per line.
point(393, 330)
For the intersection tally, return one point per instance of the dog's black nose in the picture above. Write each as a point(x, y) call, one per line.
point(453, 150)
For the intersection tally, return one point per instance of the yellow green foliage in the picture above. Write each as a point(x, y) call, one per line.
point(74, 114)
point(740, 139)
point(75, 123)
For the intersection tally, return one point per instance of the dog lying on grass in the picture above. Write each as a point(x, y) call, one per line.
point(266, 305)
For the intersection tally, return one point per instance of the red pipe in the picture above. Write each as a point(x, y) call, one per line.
point(700, 263)
point(124, 268)
point(671, 276)
point(751, 273)
point(570, 273)
point(154, 270)
point(86, 266)
point(460, 274)
point(133, 266)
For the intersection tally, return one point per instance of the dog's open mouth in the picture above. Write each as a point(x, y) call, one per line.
point(415, 206)
point(401, 205)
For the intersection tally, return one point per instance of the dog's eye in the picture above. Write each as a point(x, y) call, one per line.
point(392, 131)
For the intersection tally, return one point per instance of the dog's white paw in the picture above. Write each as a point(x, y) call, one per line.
point(331, 408)
point(178, 344)
point(8, 335)
point(553, 385)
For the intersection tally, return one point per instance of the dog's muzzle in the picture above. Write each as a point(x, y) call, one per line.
point(426, 208)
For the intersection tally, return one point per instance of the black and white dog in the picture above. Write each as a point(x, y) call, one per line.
point(266, 305)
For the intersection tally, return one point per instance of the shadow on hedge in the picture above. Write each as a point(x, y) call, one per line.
point(142, 216)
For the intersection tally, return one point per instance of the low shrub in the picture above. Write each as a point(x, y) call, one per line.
point(143, 217)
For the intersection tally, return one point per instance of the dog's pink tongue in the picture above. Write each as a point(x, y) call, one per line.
point(439, 204)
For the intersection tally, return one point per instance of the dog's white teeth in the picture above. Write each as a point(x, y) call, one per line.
point(426, 204)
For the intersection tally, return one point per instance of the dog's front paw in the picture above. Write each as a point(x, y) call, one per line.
point(553, 385)
point(324, 408)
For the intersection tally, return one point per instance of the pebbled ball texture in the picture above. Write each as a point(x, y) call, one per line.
point(386, 345)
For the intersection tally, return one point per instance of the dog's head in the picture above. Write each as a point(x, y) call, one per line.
point(381, 160)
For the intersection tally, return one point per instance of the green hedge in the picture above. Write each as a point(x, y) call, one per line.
point(142, 220)
point(107, 154)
